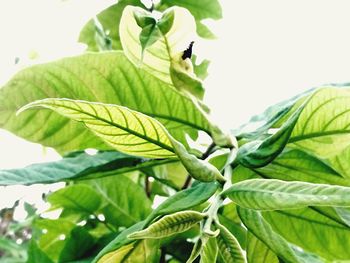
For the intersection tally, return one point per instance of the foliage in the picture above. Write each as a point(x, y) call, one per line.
point(279, 193)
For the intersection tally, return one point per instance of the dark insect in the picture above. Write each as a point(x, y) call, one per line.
point(188, 52)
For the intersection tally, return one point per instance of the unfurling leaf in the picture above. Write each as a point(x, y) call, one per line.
point(116, 256)
point(198, 169)
point(126, 130)
point(170, 225)
point(184, 199)
point(270, 194)
point(229, 248)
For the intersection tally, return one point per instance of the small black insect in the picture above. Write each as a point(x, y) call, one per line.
point(188, 52)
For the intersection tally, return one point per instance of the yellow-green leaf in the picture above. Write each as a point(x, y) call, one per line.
point(126, 130)
point(170, 225)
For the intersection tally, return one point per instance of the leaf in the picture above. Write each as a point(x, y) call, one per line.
point(59, 233)
point(201, 70)
point(209, 251)
point(126, 130)
point(322, 128)
point(184, 199)
point(109, 19)
point(199, 169)
point(120, 207)
point(81, 198)
point(229, 248)
point(313, 231)
point(200, 10)
point(150, 33)
point(78, 243)
point(196, 250)
point(116, 256)
point(259, 153)
point(203, 31)
point(144, 251)
point(170, 225)
point(107, 77)
point(35, 254)
point(119, 241)
point(80, 165)
point(263, 231)
point(157, 58)
point(296, 165)
point(271, 194)
point(257, 251)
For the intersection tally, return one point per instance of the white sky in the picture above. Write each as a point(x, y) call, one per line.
point(266, 51)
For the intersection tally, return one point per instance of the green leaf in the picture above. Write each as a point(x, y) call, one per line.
point(229, 248)
point(209, 251)
point(271, 194)
point(203, 31)
point(58, 234)
point(157, 58)
point(144, 251)
point(200, 10)
point(257, 251)
point(170, 225)
point(119, 241)
point(149, 35)
point(78, 243)
point(198, 169)
point(296, 165)
point(109, 19)
point(116, 256)
point(126, 130)
point(80, 165)
point(119, 206)
point(35, 254)
point(259, 153)
point(166, 22)
point(107, 77)
point(201, 70)
point(184, 199)
point(281, 247)
point(81, 198)
point(196, 250)
point(322, 128)
point(312, 231)
point(10, 248)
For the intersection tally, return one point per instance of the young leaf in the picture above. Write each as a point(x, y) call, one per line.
point(257, 251)
point(145, 251)
point(156, 59)
point(126, 130)
point(209, 251)
point(270, 194)
point(229, 248)
point(81, 78)
point(110, 19)
point(119, 241)
point(259, 153)
point(283, 249)
point(200, 170)
point(184, 199)
point(116, 256)
point(170, 225)
point(80, 165)
point(196, 250)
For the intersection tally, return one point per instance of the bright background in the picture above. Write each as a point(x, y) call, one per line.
point(266, 51)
